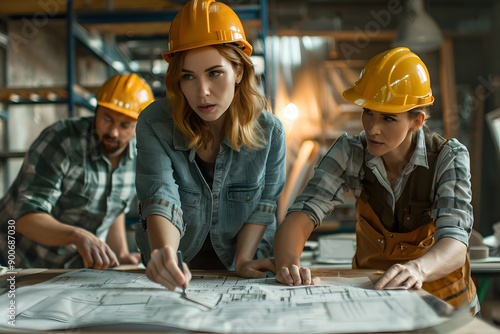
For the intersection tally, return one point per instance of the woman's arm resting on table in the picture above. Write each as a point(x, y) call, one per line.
point(164, 238)
point(249, 238)
point(289, 242)
point(446, 256)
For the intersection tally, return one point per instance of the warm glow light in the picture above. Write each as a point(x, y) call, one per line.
point(291, 111)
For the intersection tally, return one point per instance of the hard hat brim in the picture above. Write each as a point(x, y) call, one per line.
point(114, 107)
point(353, 97)
point(168, 55)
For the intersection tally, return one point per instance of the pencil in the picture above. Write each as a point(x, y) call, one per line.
point(181, 267)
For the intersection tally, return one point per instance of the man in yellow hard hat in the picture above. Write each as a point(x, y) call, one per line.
point(67, 206)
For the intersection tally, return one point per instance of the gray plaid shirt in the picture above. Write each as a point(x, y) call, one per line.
point(64, 174)
point(341, 170)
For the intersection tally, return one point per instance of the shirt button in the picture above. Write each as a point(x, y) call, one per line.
point(215, 196)
point(219, 167)
point(247, 198)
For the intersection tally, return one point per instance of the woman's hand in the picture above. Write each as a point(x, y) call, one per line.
point(289, 242)
point(254, 268)
point(407, 275)
point(444, 257)
point(163, 269)
point(294, 275)
point(130, 258)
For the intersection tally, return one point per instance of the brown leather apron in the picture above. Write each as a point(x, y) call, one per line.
point(378, 248)
point(408, 233)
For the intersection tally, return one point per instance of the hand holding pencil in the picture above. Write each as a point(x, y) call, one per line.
point(163, 268)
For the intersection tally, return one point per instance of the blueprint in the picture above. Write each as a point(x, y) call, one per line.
point(94, 298)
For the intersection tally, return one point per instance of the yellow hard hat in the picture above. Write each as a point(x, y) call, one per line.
point(128, 94)
point(202, 23)
point(393, 81)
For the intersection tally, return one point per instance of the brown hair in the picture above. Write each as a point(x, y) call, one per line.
point(241, 127)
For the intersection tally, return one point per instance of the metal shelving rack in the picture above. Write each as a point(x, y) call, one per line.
point(74, 95)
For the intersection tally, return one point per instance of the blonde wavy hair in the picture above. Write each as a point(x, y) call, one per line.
point(241, 126)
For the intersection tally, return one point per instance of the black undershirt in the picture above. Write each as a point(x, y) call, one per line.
point(206, 258)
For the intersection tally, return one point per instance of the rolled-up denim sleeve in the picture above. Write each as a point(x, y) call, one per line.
point(275, 176)
point(157, 191)
point(453, 213)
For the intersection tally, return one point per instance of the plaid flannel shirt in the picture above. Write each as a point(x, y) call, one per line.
point(341, 170)
point(64, 174)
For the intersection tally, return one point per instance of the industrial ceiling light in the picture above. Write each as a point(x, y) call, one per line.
point(418, 31)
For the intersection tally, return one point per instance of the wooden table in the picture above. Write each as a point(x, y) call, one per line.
point(464, 324)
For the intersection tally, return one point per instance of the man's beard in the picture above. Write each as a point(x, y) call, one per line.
point(107, 147)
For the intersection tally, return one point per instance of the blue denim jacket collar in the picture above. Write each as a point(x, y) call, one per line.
point(181, 144)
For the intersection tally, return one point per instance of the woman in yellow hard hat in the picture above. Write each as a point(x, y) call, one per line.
point(211, 160)
point(412, 189)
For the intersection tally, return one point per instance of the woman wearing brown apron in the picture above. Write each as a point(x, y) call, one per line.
point(412, 189)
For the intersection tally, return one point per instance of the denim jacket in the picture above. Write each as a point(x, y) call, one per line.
point(245, 189)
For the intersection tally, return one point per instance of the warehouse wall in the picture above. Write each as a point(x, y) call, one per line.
point(37, 57)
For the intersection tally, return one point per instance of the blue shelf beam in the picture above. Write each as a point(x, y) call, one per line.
point(96, 46)
point(84, 102)
point(77, 100)
point(48, 95)
point(249, 12)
